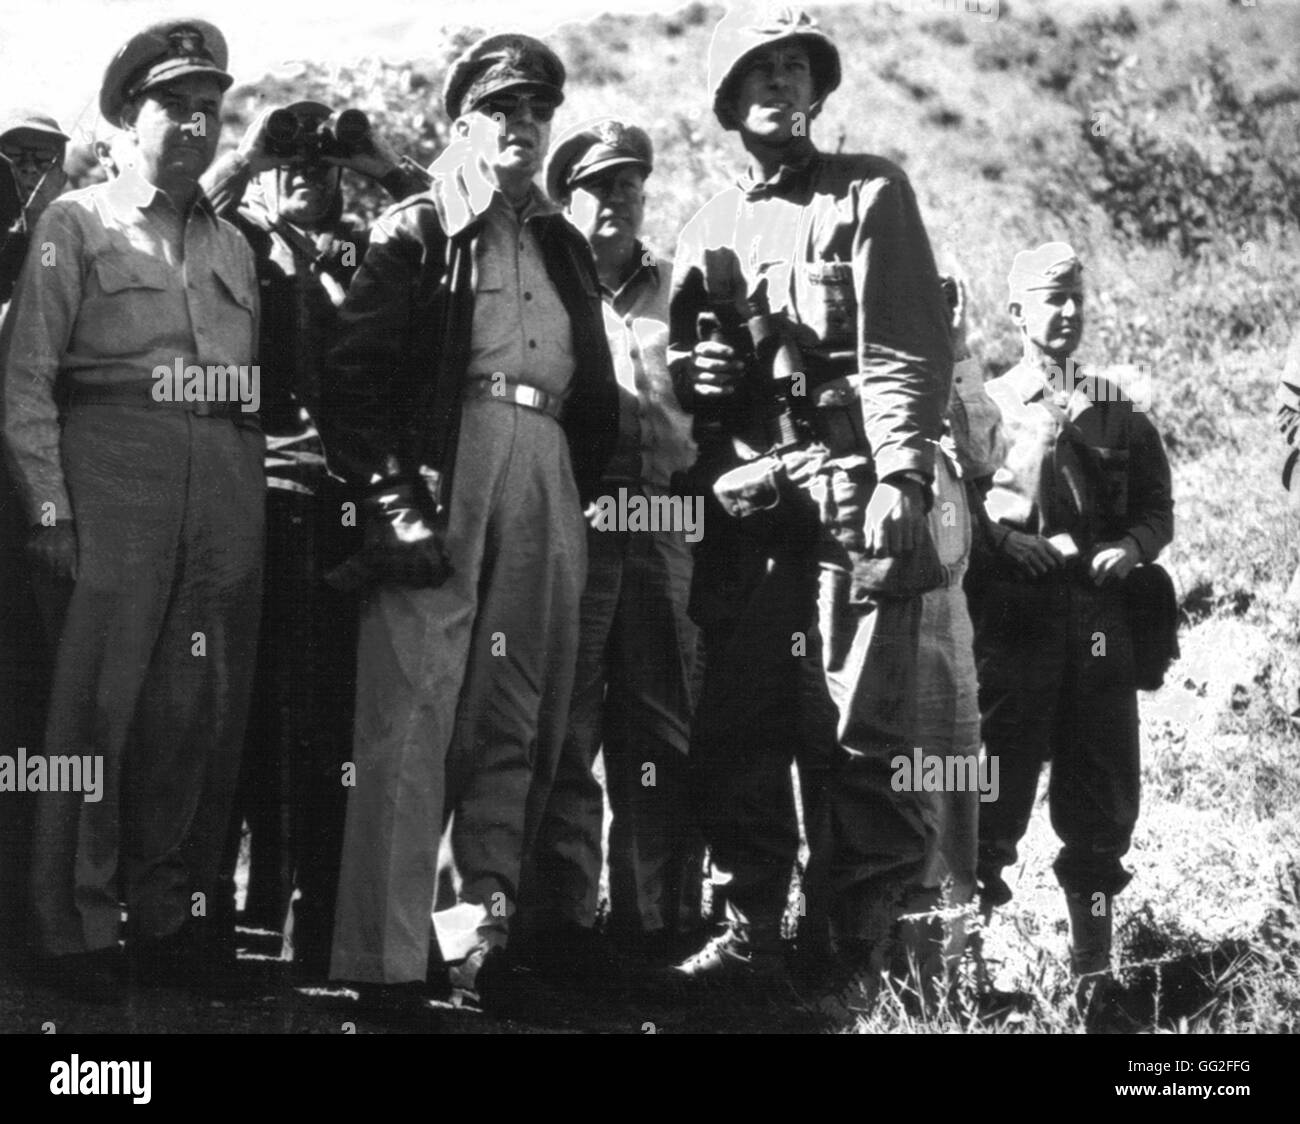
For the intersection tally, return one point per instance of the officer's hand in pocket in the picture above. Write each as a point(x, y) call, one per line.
point(716, 371)
point(54, 550)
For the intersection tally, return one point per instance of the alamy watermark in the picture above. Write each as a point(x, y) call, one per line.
point(1127, 382)
point(951, 772)
point(38, 773)
point(214, 383)
point(631, 511)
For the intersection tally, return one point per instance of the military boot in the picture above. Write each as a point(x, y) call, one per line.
point(1090, 932)
point(740, 956)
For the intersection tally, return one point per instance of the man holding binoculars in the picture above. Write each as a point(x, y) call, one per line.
point(282, 188)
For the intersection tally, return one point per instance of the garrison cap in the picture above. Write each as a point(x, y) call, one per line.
point(159, 54)
point(31, 121)
point(594, 147)
point(1054, 265)
point(754, 26)
point(502, 62)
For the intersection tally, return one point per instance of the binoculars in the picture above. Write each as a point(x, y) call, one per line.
point(288, 136)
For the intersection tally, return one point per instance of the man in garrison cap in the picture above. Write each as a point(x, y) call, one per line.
point(825, 256)
point(1082, 498)
point(636, 655)
point(146, 497)
point(471, 396)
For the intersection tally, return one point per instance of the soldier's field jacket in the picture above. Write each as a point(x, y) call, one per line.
point(848, 263)
point(396, 354)
point(1082, 459)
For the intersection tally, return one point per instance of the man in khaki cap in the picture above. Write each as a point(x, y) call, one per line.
point(1082, 498)
point(636, 655)
point(826, 256)
point(472, 397)
point(35, 145)
point(148, 507)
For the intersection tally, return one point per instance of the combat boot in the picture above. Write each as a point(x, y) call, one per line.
point(850, 991)
point(739, 956)
point(1090, 932)
point(1097, 994)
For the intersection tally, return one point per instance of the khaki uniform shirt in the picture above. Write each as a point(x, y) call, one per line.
point(117, 283)
point(654, 434)
point(521, 328)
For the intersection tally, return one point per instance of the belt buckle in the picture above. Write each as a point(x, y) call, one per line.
point(530, 396)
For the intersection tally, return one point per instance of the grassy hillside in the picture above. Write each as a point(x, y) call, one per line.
point(1161, 140)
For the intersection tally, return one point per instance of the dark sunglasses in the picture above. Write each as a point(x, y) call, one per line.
point(42, 159)
point(508, 105)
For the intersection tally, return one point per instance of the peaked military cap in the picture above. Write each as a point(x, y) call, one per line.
point(502, 62)
point(755, 26)
point(594, 147)
point(158, 54)
point(31, 121)
point(1054, 265)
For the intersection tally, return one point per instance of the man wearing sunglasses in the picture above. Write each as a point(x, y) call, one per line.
point(471, 394)
point(33, 147)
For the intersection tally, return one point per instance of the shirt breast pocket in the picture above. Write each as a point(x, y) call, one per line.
point(234, 309)
point(128, 313)
point(830, 306)
point(235, 288)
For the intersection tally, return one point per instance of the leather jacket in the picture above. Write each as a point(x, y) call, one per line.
point(403, 349)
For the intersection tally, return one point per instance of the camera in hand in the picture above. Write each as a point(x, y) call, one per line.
point(291, 137)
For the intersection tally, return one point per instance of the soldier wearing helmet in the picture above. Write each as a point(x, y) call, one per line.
point(808, 583)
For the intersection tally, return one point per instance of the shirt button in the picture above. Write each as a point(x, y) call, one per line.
point(532, 343)
point(528, 296)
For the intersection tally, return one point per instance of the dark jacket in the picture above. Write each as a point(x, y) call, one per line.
point(396, 362)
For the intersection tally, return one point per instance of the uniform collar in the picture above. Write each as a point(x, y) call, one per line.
point(787, 181)
point(537, 204)
point(460, 216)
point(1031, 383)
point(644, 276)
point(131, 192)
